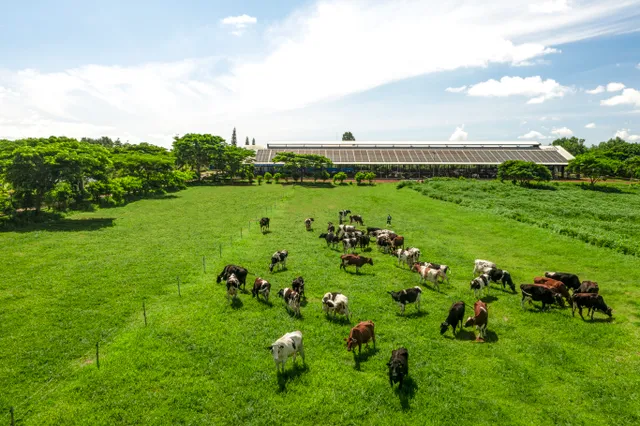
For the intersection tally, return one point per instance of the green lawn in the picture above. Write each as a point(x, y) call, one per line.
point(201, 361)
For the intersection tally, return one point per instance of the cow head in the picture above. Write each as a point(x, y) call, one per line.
point(470, 321)
point(394, 295)
point(368, 260)
point(281, 292)
point(323, 235)
point(444, 327)
point(609, 312)
point(351, 343)
point(276, 349)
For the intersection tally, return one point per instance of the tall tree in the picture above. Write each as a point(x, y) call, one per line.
point(595, 167)
point(573, 145)
point(197, 151)
point(246, 141)
point(253, 141)
point(348, 136)
point(234, 139)
point(300, 162)
point(237, 161)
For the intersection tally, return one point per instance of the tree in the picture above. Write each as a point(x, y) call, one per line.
point(348, 136)
point(234, 140)
point(237, 161)
point(197, 151)
point(298, 163)
point(632, 167)
point(523, 171)
point(246, 141)
point(359, 177)
point(259, 179)
point(595, 167)
point(340, 176)
point(573, 145)
point(277, 177)
point(324, 175)
point(253, 141)
point(617, 149)
point(370, 177)
point(267, 177)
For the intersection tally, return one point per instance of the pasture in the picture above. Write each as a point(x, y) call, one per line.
point(201, 361)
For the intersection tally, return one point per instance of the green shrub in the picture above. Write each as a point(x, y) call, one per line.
point(267, 177)
point(339, 177)
point(277, 177)
point(360, 176)
point(370, 177)
point(259, 179)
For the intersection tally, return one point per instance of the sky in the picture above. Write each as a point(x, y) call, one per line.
point(427, 70)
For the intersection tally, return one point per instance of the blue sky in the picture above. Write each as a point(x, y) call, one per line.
point(286, 70)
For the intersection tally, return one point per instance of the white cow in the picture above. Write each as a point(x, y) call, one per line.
point(350, 244)
point(481, 266)
point(337, 303)
point(416, 253)
point(288, 345)
point(480, 283)
point(406, 256)
point(233, 284)
point(431, 275)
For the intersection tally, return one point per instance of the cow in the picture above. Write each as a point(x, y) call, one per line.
point(405, 257)
point(456, 315)
point(480, 319)
point(588, 287)
point(337, 303)
point(431, 275)
point(384, 243)
point(264, 224)
point(398, 366)
point(416, 254)
point(307, 223)
point(344, 229)
point(288, 345)
point(479, 283)
point(406, 296)
point(397, 242)
point(261, 287)
point(233, 284)
point(371, 230)
point(331, 239)
point(291, 298)
point(364, 241)
point(331, 228)
point(480, 266)
point(593, 301)
point(570, 280)
point(354, 259)
point(555, 286)
point(539, 293)
point(504, 277)
point(357, 219)
point(349, 244)
point(279, 258)
point(444, 268)
point(360, 335)
point(343, 214)
point(239, 271)
point(298, 286)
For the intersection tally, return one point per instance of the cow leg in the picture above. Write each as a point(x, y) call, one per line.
point(573, 309)
point(401, 309)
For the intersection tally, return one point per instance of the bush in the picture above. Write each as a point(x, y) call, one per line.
point(523, 172)
point(339, 177)
point(324, 175)
point(267, 177)
point(370, 177)
point(277, 177)
point(259, 179)
point(404, 183)
point(60, 196)
point(360, 176)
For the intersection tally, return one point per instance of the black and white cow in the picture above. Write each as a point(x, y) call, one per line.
point(331, 227)
point(499, 275)
point(288, 345)
point(406, 296)
point(307, 223)
point(291, 298)
point(239, 271)
point(261, 287)
point(350, 244)
point(331, 239)
point(233, 284)
point(482, 266)
point(279, 258)
point(480, 283)
point(264, 224)
point(298, 286)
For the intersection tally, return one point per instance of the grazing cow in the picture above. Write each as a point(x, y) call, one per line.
point(480, 319)
point(555, 286)
point(343, 214)
point(279, 258)
point(384, 243)
point(570, 280)
point(397, 242)
point(364, 241)
point(331, 228)
point(479, 283)
point(233, 284)
point(360, 335)
point(371, 230)
point(415, 252)
point(298, 286)
point(539, 293)
point(456, 315)
point(307, 223)
point(398, 366)
point(337, 303)
point(588, 287)
point(354, 259)
point(239, 271)
point(405, 257)
point(481, 265)
point(288, 345)
point(264, 224)
point(431, 275)
point(291, 298)
point(593, 301)
point(349, 244)
point(357, 219)
point(498, 275)
point(261, 287)
point(406, 296)
point(331, 239)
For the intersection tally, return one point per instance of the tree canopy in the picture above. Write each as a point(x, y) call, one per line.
point(573, 145)
point(298, 163)
point(348, 136)
point(197, 151)
point(523, 172)
point(595, 167)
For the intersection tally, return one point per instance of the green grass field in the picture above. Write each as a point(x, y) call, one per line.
point(200, 361)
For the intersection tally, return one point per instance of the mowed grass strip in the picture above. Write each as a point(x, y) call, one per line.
point(201, 360)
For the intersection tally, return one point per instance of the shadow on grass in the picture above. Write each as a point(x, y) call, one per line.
point(597, 320)
point(288, 375)
point(62, 225)
point(364, 355)
point(603, 188)
point(489, 299)
point(465, 335)
point(266, 232)
point(279, 270)
point(236, 303)
point(358, 273)
point(265, 302)
point(337, 319)
point(414, 314)
point(311, 184)
point(304, 302)
point(406, 393)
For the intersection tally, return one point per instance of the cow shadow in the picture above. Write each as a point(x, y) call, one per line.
point(338, 319)
point(266, 232)
point(407, 393)
point(414, 314)
point(236, 303)
point(596, 320)
point(358, 273)
point(304, 302)
point(364, 356)
point(491, 337)
point(293, 314)
point(465, 335)
point(268, 303)
point(290, 374)
point(489, 299)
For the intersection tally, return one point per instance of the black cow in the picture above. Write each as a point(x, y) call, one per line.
point(398, 366)
point(279, 258)
point(239, 271)
point(408, 295)
point(371, 230)
point(264, 224)
point(502, 276)
point(456, 315)
point(588, 287)
point(570, 280)
point(330, 238)
point(331, 227)
point(364, 241)
point(539, 293)
point(593, 301)
point(298, 286)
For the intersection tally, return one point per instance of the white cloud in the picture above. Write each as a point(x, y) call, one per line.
point(532, 135)
point(624, 134)
point(590, 126)
point(535, 88)
point(459, 134)
point(638, 66)
point(550, 6)
point(615, 87)
point(546, 118)
point(456, 89)
point(597, 90)
point(239, 23)
point(628, 97)
point(563, 132)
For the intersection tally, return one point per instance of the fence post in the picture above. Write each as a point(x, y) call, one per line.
point(98, 355)
point(220, 249)
point(178, 278)
point(204, 264)
point(144, 312)
point(13, 421)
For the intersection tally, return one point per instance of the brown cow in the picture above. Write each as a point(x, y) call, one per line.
point(354, 259)
point(261, 287)
point(397, 242)
point(361, 334)
point(480, 319)
point(556, 286)
point(588, 287)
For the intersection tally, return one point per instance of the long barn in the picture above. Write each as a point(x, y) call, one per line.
point(419, 159)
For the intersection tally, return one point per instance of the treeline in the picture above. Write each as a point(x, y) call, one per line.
point(61, 173)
